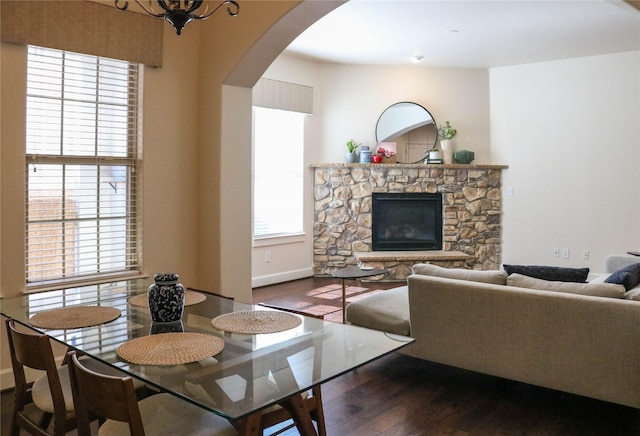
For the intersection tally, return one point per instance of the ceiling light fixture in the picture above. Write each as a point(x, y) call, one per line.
point(180, 12)
point(417, 59)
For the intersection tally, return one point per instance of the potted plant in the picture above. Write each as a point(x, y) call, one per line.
point(352, 155)
point(446, 133)
point(434, 156)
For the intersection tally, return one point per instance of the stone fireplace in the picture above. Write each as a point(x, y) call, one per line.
point(343, 207)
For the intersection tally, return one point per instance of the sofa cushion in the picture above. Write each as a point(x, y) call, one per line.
point(593, 289)
point(553, 273)
point(633, 294)
point(386, 311)
point(495, 277)
point(629, 276)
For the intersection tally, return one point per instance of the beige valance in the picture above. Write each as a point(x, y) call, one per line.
point(83, 27)
point(286, 96)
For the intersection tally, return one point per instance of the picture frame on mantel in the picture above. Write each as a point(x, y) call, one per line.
point(390, 154)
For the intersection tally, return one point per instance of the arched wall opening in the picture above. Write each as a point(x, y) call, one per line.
point(235, 239)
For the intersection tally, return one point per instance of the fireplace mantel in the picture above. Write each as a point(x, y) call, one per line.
point(472, 212)
point(409, 165)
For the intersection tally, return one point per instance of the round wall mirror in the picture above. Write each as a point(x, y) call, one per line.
point(411, 127)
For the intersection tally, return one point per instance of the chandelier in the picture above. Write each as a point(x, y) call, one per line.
point(180, 12)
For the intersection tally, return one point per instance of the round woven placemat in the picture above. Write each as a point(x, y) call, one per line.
point(256, 321)
point(190, 298)
point(74, 317)
point(170, 348)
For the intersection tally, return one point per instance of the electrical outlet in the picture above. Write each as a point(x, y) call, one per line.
point(585, 255)
point(556, 252)
point(565, 253)
point(267, 256)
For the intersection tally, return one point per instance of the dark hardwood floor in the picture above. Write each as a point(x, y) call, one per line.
point(401, 396)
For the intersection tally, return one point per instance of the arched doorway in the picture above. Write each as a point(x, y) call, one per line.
point(236, 129)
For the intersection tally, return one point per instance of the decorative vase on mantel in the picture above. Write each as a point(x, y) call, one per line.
point(166, 298)
point(351, 157)
point(447, 147)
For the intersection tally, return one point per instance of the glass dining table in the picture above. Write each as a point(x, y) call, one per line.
point(250, 373)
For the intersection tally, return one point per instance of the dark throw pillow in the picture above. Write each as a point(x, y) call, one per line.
point(551, 273)
point(629, 276)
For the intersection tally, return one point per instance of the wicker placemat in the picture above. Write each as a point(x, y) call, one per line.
point(256, 321)
point(170, 348)
point(74, 317)
point(190, 298)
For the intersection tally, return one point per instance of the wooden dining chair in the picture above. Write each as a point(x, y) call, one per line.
point(50, 394)
point(114, 399)
point(276, 414)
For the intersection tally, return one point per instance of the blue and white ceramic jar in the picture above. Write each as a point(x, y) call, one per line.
point(365, 154)
point(166, 298)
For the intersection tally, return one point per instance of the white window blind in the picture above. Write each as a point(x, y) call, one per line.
point(278, 170)
point(81, 183)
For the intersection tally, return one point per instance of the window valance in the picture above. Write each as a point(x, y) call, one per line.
point(286, 96)
point(83, 27)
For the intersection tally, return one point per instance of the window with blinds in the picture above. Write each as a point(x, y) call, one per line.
point(81, 156)
point(278, 138)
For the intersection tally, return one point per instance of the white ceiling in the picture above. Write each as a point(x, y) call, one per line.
point(485, 33)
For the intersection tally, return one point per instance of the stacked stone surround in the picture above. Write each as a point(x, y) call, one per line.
point(472, 214)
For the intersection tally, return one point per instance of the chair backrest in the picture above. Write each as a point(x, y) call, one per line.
point(102, 395)
point(33, 350)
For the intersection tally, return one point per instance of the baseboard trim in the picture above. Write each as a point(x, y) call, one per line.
point(287, 276)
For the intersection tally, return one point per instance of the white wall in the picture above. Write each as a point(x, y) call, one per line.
point(355, 96)
point(570, 132)
point(347, 101)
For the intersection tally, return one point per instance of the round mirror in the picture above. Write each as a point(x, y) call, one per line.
point(411, 127)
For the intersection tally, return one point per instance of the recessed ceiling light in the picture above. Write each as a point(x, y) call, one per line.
point(416, 59)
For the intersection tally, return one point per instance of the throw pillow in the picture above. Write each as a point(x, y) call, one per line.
point(610, 290)
point(553, 273)
point(495, 277)
point(629, 276)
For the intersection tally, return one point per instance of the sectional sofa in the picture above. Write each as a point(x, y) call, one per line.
point(573, 337)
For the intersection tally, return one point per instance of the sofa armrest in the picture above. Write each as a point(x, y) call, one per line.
point(615, 262)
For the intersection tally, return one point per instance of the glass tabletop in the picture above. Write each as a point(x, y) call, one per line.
point(252, 372)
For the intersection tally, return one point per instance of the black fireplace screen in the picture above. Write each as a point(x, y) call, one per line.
point(406, 221)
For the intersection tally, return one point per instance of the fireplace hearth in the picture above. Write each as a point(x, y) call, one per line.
point(406, 221)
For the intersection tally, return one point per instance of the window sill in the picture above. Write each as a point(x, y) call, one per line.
point(94, 280)
point(289, 238)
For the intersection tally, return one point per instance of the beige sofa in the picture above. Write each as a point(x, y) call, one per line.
point(582, 344)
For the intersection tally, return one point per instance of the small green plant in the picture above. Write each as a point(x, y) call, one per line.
point(446, 131)
point(352, 145)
